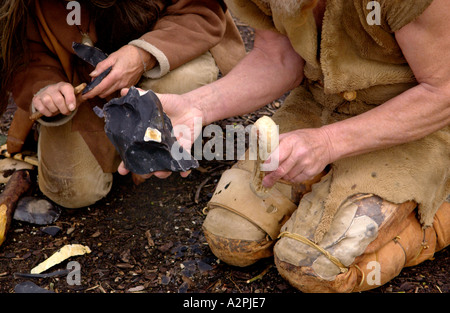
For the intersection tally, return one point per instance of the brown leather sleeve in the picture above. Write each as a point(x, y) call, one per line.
point(188, 29)
point(18, 131)
point(231, 48)
point(42, 69)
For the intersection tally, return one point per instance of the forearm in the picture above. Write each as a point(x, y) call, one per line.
point(271, 69)
point(412, 115)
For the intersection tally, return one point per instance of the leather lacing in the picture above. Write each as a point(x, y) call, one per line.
point(308, 242)
point(334, 260)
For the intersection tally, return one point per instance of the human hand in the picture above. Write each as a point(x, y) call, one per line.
point(186, 120)
point(127, 69)
point(55, 99)
point(302, 154)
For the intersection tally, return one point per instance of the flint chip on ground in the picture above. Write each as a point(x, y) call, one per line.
point(51, 230)
point(62, 254)
point(30, 287)
point(36, 211)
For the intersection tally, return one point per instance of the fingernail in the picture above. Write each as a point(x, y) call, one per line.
point(94, 73)
point(71, 107)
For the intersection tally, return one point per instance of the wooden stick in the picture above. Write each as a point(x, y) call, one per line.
point(19, 183)
point(260, 276)
point(77, 90)
point(197, 193)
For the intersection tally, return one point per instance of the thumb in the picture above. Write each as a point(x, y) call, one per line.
point(122, 169)
point(124, 92)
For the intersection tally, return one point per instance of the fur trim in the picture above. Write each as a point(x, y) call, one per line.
point(163, 66)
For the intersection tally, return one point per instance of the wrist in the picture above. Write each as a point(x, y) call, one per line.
point(197, 107)
point(147, 59)
point(330, 152)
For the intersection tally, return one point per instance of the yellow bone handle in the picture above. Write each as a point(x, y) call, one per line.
point(267, 134)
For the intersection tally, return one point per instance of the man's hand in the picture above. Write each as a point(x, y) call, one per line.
point(302, 154)
point(183, 116)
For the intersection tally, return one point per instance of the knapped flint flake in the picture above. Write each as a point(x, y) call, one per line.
point(93, 56)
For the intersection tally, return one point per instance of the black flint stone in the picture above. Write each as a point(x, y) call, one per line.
point(36, 211)
point(30, 287)
point(93, 56)
point(51, 230)
point(127, 119)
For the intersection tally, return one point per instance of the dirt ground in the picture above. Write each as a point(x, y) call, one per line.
point(148, 239)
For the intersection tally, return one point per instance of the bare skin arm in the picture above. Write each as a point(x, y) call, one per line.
point(269, 70)
point(420, 110)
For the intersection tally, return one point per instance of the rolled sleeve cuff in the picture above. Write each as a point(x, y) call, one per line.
point(54, 121)
point(163, 66)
